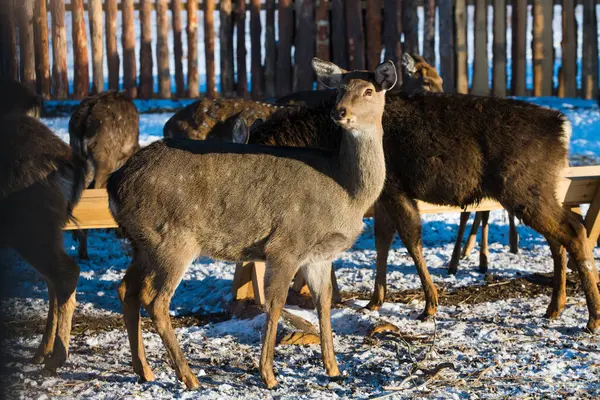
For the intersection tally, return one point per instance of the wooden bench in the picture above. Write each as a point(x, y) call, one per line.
point(579, 185)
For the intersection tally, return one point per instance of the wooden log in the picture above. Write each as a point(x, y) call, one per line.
point(339, 45)
point(480, 74)
point(226, 40)
point(499, 49)
point(209, 39)
point(589, 69)
point(146, 63)
point(373, 33)
point(542, 48)
point(391, 33)
point(305, 44)
point(95, 17)
point(519, 40)
point(283, 78)
point(81, 72)
point(177, 47)
point(355, 35)
point(429, 31)
point(8, 44)
point(271, 50)
point(162, 50)
point(460, 21)
point(42, 59)
point(255, 52)
point(112, 53)
point(27, 48)
point(193, 84)
point(568, 71)
point(60, 86)
point(128, 43)
point(410, 26)
point(447, 45)
point(242, 78)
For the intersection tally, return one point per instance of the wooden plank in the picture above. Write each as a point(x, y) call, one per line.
point(568, 71)
point(95, 16)
point(373, 31)
point(592, 219)
point(429, 28)
point(112, 54)
point(42, 58)
point(92, 211)
point(391, 32)
point(542, 48)
point(193, 84)
point(339, 45)
point(258, 282)
point(27, 48)
point(447, 64)
point(128, 43)
point(178, 47)
point(519, 53)
point(460, 23)
point(226, 41)
point(499, 49)
point(162, 50)
point(209, 48)
point(305, 44)
point(242, 286)
point(242, 79)
point(589, 68)
point(410, 26)
point(270, 50)
point(81, 78)
point(146, 63)
point(283, 78)
point(480, 74)
point(355, 35)
point(8, 48)
point(59, 50)
point(255, 52)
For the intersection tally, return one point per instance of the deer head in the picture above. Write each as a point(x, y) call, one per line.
point(419, 75)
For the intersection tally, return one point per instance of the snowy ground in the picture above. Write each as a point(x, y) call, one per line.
point(500, 348)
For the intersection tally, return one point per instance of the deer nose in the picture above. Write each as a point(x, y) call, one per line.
point(338, 113)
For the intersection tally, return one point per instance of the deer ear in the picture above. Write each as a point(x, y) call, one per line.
point(385, 75)
point(240, 133)
point(408, 63)
point(328, 73)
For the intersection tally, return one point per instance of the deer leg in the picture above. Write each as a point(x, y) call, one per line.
point(82, 238)
point(384, 234)
point(513, 235)
point(319, 282)
point(472, 239)
point(47, 345)
point(484, 251)
point(559, 280)
point(453, 266)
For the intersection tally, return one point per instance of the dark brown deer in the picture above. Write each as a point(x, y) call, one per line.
point(41, 180)
point(19, 99)
point(104, 130)
point(293, 208)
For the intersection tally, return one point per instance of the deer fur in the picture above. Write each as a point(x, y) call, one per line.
point(19, 99)
point(293, 208)
point(104, 130)
point(41, 180)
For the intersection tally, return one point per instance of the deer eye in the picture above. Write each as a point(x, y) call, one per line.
point(369, 92)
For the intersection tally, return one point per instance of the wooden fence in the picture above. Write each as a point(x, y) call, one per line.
point(352, 33)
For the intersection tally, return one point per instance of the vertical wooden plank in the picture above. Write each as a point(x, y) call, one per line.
point(305, 44)
point(519, 40)
point(568, 72)
point(8, 49)
point(499, 49)
point(391, 33)
point(355, 35)
point(447, 45)
point(42, 59)
point(226, 40)
point(209, 37)
point(81, 78)
point(112, 54)
point(429, 31)
point(373, 33)
point(242, 78)
point(480, 75)
point(589, 76)
point(460, 20)
point(162, 50)
point(322, 24)
point(146, 63)
point(95, 16)
point(128, 43)
point(242, 287)
point(283, 78)
point(270, 50)
point(27, 49)
point(60, 86)
point(410, 26)
point(177, 47)
point(338, 33)
point(192, 45)
point(256, 54)
point(542, 48)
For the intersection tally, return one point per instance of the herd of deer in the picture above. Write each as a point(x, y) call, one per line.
point(286, 183)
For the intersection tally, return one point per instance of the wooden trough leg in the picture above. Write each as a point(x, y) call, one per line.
point(242, 286)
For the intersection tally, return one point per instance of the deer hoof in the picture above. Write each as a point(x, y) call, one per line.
point(426, 316)
point(592, 325)
point(191, 382)
point(553, 311)
point(373, 305)
point(39, 357)
point(146, 375)
point(270, 381)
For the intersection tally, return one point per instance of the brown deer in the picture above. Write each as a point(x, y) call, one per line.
point(19, 99)
point(293, 208)
point(41, 180)
point(104, 130)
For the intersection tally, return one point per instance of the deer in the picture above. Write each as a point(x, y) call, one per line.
point(290, 207)
point(41, 181)
point(19, 99)
point(104, 130)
